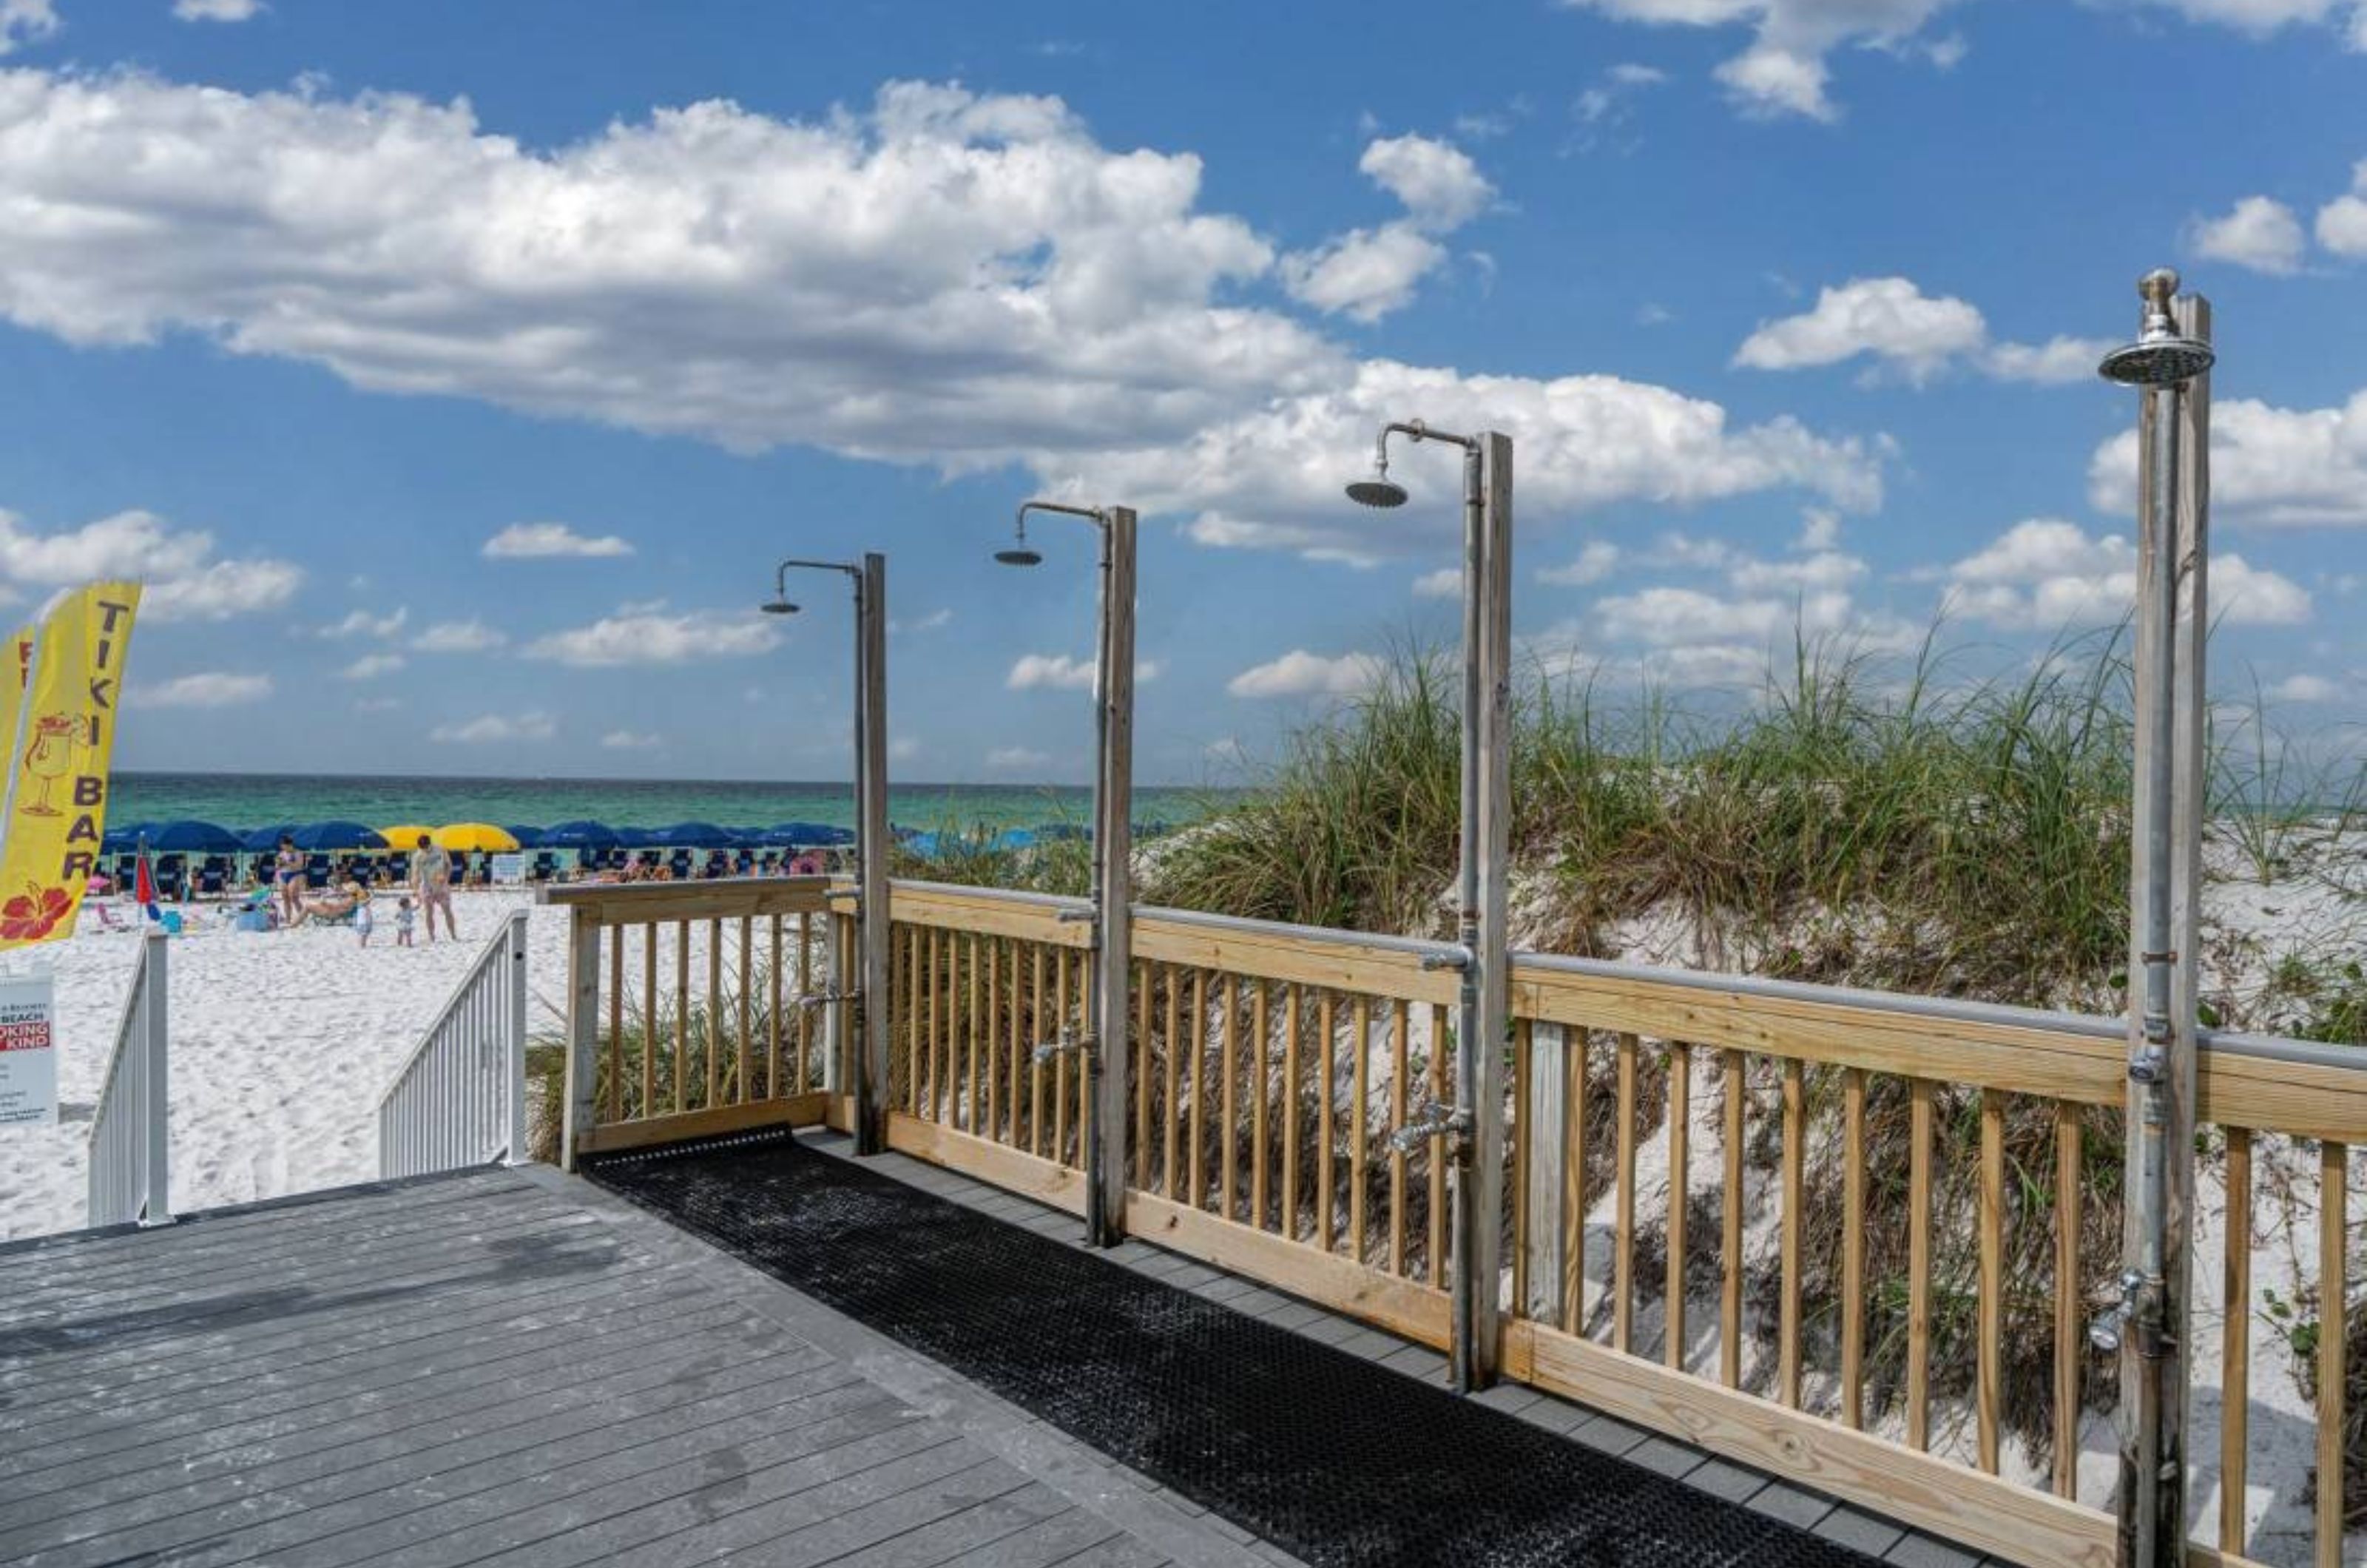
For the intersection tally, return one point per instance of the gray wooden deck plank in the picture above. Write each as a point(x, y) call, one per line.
point(828, 1522)
point(899, 1451)
point(354, 1513)
point(72, 1411)
point(487, 1444)
point(980, 1528)
point(299, 1416)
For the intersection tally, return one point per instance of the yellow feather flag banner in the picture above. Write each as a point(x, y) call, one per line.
point(57, 783)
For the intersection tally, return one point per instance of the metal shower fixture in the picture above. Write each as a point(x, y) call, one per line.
point(2159, 356)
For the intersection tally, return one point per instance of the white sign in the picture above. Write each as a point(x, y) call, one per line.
point(28, 1056)
point(509, 871)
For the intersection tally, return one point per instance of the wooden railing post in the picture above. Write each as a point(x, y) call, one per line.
point(582, 1030)
point(1480, 1060)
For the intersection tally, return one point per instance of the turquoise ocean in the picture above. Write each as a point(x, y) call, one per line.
point(247, 801)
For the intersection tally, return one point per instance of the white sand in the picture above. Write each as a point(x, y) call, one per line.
point(281, 1043)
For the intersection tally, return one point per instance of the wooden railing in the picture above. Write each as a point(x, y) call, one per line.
point(683, 1014)
point(1865, 1276)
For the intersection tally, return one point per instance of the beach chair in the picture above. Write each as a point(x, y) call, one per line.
point(172, 879)
point(545, 867)
point(213, 878)
point(317, 871)
point(678, 865)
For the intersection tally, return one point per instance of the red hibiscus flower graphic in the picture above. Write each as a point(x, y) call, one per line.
point(34, 913)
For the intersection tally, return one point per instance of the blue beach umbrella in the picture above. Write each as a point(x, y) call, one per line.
point(692, 836)
point(527, 838)
point(122, 841)
point(579, 835)
point(922, 844)
point(189, 837)
point(323, 836)
point(808, 835)
point(263, 840)
point(1015, 839)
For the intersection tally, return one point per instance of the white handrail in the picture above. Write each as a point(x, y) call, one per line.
point(460, 1099)
point(129, 1158)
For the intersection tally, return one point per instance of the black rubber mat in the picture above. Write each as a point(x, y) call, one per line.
point(1315, 1450)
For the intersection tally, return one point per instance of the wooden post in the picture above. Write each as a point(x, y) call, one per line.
point(1546, 1136)
point(1480, 1065)
point(1114, 934)
point(583, 1032)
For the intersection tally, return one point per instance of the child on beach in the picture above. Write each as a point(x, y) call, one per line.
point(403, 917)
point(361, 911)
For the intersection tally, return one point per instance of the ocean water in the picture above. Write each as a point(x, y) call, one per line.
point(247, 801)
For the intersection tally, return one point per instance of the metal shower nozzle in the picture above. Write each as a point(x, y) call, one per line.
point(1380, 490)
point(778, 607)
point(2160, 357)
point(1022, 556)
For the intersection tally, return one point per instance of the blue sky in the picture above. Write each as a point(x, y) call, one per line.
point(456, 372)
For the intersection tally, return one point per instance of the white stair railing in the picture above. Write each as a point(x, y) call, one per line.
point(129, 1177)
point(460, 1099)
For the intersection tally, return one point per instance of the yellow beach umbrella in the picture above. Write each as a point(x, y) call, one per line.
point(405, 837)
point(475, 838)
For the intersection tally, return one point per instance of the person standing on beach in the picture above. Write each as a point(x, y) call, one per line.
point(288, 870)
point(431, 882)
point(362, 922)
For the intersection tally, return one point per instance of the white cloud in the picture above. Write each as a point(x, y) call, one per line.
point(1819, 530)
point(521, 541)
point(1440, 186)
point(935, 620)
point(632, 741)
point(1595, 560)
point(1783, 71)
point(494, 728)
point(2342, 222)
point(942, 277)
point(377, 704)
point(1018, 759)
point(1058, 672)
point(2259, 233)
point(2304, 688)
point(1606, 101)
point(207, 689)
point(1364, 273)
point(216, 10)
point(459, 637)
point(1888, 318)
point(1299, 674)
point(26, 21)
point(904, 748)
point(1271, 478)
point(2277, 467)
point(2045, 574)
point(185, 583)
point(361, 623)
point(370, 666)
point(1446, 582)
point(1820, 572)
point(1912, 334)
point(686, 638)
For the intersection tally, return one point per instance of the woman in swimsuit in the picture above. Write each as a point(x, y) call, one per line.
point(288, 870)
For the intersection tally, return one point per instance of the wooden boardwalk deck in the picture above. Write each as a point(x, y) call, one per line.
point(508, 1368)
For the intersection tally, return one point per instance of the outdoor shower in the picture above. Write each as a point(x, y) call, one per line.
point(2151, 1319)
point(1112, 906)
point(1480, 952)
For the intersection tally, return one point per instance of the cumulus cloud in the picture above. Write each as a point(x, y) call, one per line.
point(2304, 687)
point(207, 689)
point(2342, 222)
point(2259, 233)
point(1912, 334)
point(1595, 560)
point(1058, 672)
point(1018, 759)
point(521, 541)
point(2047, 574)
point(1784, 70)
point(1446, 582)
point(632, 741)
point(658, 638)
point(216, 10)
point(362, 624)
point(1299, 674)
point(2277, 467)
point(370, 666)
point(1271, 478)
point(26, 21)
point(494, 728)
point(185, 581)
point(1364, 274)
point(943, 277)
point(459, 637)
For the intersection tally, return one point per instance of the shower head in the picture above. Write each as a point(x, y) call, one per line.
point(2160, 357)
point(1380, 490)
point(778, 607)
point(1019, 555)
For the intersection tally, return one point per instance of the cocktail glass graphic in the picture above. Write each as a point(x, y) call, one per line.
point(49, 758)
